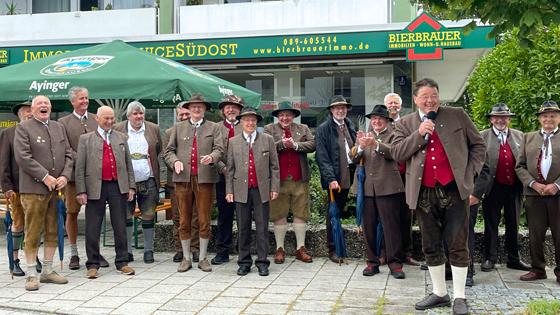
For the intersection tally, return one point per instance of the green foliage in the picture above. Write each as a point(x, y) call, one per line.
point(11, 8)
point(541, 307)
point(528, 16)
point(521, 78)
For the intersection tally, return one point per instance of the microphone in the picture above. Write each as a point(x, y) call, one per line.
point(429, 116)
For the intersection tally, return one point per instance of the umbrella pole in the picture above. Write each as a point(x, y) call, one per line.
point(9, 227)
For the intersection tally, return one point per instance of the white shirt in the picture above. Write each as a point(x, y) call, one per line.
point(250, 140)
point(84, 117)
point(546, 159)
point(345, 142)
point(502, 135)
point(138, 144)
point(101, 132)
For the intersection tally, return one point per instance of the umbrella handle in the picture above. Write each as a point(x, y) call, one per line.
point(331, 194)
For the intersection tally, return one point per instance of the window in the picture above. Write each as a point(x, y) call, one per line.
point(50, 6)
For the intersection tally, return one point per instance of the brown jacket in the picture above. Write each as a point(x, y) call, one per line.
point(74, 129)
point(266, 165)
point(461, 141)
point(526, 167)
point(90, 160)
point(155, 144)
point(382, 172)
point(40, 151)
point(9, 170)
point(304, 139)
point(209, 142)
point(485, 180)
point(169, 168)
point(221, 165)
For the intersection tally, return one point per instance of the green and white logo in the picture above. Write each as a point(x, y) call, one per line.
point(75, 65)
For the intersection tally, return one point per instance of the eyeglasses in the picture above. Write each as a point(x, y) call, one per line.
point(424, 98)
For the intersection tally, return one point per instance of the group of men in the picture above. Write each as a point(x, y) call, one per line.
point(433, 161)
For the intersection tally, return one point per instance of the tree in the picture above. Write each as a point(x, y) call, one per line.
point(521, 78)
point(525, 15)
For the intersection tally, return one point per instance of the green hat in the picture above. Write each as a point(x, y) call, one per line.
point(16, 107)
point(286, 105)
point(246, 111)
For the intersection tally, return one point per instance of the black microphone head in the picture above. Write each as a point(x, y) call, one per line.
point(431, 115)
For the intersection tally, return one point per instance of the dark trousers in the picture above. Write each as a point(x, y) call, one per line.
point(254, 208)
point(443, 220)
point(382, 208)
point(225, 221)
point(407, 217)
point(509, 198)
point(472, 222)
point(95, 212)
point(340, 199)
point(542, 213)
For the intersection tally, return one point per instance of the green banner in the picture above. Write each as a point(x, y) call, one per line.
point(327, 44)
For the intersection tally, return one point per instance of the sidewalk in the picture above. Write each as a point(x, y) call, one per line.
point(292, 288)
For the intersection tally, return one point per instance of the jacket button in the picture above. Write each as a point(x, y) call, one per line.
point(423, 151)
point(419, 178)
point(421, 165)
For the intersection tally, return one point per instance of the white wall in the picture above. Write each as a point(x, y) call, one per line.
point(110, 23)
point(286, 14)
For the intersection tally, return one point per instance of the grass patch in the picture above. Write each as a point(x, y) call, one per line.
point(543, 307)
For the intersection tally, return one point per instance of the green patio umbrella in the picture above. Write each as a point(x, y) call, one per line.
point(113, 71)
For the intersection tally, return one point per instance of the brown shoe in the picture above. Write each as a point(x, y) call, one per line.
point(532, 276)
point(184, 265)
point(31, 283)
point(126, 270)
point(53, 277)
point(280, 256)
point(74, 263)
point(204, 265)
point(335, 259)
point(301, 254)
point(92, 273)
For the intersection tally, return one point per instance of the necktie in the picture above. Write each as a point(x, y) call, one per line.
point(503, 137)
point(250, 140)
point(106, 136)
point(546, 144)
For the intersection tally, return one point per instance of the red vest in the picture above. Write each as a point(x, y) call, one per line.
point(194, 158)
point(505, 170)
point(436, 167)
point(402, 167)
point(289, 162)
point(109, 165)
point(252, 171)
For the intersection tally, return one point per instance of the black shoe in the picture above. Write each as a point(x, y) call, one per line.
point(470, 281)
point(263, 270)
point(518, 265)
point(130, 257)
point(398, 273)
point(432, 301)
point(243, 270)
point(148, 257)
point(103, 263)
point(487, 266)
point(178, 257)
point(195, 256)
point(460, 307)
point(370, 270)
point(18, 272)
point(218, 260)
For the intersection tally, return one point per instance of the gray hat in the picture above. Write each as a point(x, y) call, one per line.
point(15, 108)
point(197, 98)
point(231, 99)
point(548, 107)
point(339, 100)
point(500, 109)
point(246, 111)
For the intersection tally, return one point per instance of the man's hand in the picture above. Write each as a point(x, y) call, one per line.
point(550, 189)
point(50, 182)
point(273, 195)
point(205, 160)
point(473, 200)
point(426, 127)
point(334, 185)
point(288, 143)
point(8, 194)
point(131, 193)
point(229, 198)
point(61, 181)
point(82, 198)
point(178, 166)
point(539, 188)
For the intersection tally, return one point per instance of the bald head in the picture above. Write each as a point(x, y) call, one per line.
point(105, 117)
